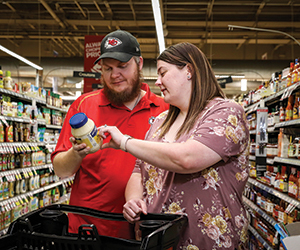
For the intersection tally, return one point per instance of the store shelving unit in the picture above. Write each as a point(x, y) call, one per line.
point(289, 125)
point(28, 147)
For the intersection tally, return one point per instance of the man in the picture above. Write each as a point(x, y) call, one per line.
point(125, 102)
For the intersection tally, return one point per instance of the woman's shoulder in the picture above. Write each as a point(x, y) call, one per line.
point(220, 103)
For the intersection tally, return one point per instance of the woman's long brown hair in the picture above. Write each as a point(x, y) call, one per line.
point(205, 86)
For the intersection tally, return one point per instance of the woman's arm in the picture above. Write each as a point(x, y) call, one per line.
point(134, 205)
point(187, 157)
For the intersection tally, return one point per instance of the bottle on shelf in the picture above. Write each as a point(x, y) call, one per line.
point(289, 76)
point(7, 81)
point(277, 179)
point(295, 71)
point(283, 180)
point(282, 112)
point(298, 184)
point(1, 78)
point(293, 183)
point(296, 106)
point(289, 108)
point(283, 143)
point(282, 216)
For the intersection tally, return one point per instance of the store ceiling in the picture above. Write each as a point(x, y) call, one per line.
point(47, 28)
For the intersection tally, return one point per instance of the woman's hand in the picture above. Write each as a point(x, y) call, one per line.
point(116, 136)
point(133, 209)
point(81, 149)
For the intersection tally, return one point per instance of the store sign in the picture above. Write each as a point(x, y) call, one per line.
point(86, 74)
point(91, 53)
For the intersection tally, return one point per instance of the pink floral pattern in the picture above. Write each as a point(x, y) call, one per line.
point(212, 198)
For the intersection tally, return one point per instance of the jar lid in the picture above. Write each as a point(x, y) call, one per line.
point(78, 120)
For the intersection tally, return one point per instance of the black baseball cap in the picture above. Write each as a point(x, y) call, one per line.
point(119, 45)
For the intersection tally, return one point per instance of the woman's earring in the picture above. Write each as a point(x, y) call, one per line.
point(189, 76)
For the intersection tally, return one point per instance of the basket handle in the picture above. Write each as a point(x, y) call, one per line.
point(88, 231)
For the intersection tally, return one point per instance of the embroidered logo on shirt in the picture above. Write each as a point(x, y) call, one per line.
point(112, 42)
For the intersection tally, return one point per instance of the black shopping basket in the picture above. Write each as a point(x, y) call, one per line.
point(47, 229)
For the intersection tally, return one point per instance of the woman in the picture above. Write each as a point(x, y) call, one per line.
point(194, 159)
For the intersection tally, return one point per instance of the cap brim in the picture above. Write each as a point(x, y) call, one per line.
point(120, 56)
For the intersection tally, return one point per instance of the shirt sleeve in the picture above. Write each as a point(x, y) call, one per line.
point(224, 129)
point(64, 143)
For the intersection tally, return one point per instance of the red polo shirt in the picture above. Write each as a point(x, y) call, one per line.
point(102, 177)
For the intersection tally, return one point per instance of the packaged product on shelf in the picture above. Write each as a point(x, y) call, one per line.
point(289, 108)
point(1, 78)
point(1, 189)
point(298, 185)
point(43, 94)
point(295, 72)
point(20, 131)
point(37, 179)
point(7, 217)
point(47, 116)
point(11, 188)
point(283, 143)
point(20, 109)
point(7, 80)
point(289, 76)
point(293, 183)
point(296, 106)
point(17, 184)
point(31, 185)
point(1, 132)
point(23, 186)
point(283, 180)
point(9, 109)
point(5, 188)
point(14, 109)
point(27, 111)
point(41, 134)
point(34, 202)
point(26, 133)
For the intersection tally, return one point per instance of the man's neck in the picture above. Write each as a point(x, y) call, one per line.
point(131, 105)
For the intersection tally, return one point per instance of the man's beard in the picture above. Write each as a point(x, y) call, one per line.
point(118, 98)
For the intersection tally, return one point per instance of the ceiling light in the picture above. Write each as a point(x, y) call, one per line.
point(232, 76)
point(158, 25)
point(244, 85)
point(20, 58)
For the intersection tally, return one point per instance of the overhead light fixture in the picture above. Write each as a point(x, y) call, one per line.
point(158, 25)
point(20, 58)
point(244, 85)
point(230, 27)
point(232, 76)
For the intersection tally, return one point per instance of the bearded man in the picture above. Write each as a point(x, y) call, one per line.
point(125, 102)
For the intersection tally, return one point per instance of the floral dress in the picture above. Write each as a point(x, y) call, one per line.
point(212, 198)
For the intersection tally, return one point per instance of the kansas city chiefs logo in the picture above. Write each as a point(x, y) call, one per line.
point(112, 42)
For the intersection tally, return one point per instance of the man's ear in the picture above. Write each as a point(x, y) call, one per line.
point(141, 63)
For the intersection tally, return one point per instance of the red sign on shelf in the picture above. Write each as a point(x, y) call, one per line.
point(91, 53)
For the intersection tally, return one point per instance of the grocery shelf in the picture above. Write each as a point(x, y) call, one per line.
point(291, 161)
point(261, 239)
point(275, 192)
point(26, 169)
point(36, 191)
point(56, 108)
point(261, 212)
point(53, 126)
point(287, 123)
point(21, 96)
